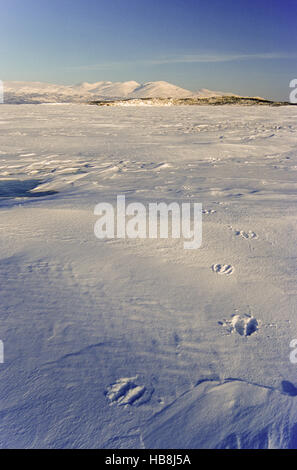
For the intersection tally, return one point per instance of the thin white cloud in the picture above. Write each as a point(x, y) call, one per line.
point(200, 58)
point(190, 59)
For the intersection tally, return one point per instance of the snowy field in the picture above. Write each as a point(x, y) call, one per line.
point(140, 343)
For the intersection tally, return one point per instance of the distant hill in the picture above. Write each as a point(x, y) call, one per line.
point(194, 100)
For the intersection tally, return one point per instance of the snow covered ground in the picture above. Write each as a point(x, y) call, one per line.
point(140, 343)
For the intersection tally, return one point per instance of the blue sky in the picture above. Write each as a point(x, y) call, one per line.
point(244, 46)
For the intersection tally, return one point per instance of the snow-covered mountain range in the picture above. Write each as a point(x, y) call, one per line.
point(37, 92)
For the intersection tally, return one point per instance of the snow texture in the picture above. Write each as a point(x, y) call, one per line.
point(140, 343)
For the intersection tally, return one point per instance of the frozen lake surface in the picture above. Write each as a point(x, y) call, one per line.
point(140, 343)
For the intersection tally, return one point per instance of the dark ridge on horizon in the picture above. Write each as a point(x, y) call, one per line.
point(214, 101)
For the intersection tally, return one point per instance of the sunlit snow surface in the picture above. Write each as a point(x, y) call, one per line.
point(140, 343)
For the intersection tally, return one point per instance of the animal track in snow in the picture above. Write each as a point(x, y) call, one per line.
point(208, 212)
point(223, 269)
point(125, 391)
point(244, 325)
point(247, 235)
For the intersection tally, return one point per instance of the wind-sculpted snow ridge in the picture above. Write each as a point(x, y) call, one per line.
point(233, 414)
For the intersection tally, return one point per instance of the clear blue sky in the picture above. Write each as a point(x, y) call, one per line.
point(244, 46)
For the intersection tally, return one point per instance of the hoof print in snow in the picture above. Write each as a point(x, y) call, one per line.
point(247, 235)
point(125, 391)
point(223, 268)
point(244, 325)
point(208, 212)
